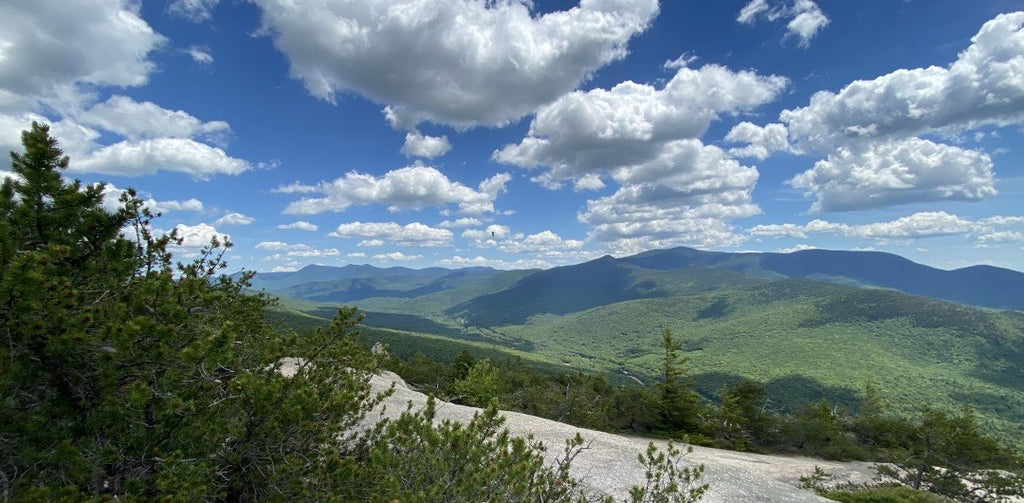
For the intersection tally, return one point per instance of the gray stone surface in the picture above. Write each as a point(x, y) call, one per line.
point(610, 464)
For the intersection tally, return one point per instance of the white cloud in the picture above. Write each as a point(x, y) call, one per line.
point(799, 247)
point(599, 130)
point(296, 188)
point(144, 157)
point(234, 218)
point(370, 243)
point(885, 174)
point(111, 44)
point(196, 11)
point(355, 255)
point(112, 196)
point(457, 62)
point(806, 19)
point(915, 226)
point(749, 13)
point(325, 252)
point(670, 185)
point(200, 55)
point(285, 268)
point(461, 222)
point(411, 187)
point(809, 20)
point(414, 234)
point(1001, 237)
point(918, 225)
point(684, 197)
point(982, 87)
point(396, 257)
point(58, 57)
point(494, 231)
point(282, 246)
point(870, 130)
point(779, 231)
point(133, 120)
point(198, 236)
point(192, 204)
point(419, 145)
point(479, 261)
point(589, 181)
point(300, 225)
point(761, 141)
point(544, 242)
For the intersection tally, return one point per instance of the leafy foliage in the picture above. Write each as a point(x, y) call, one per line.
point(126, 377)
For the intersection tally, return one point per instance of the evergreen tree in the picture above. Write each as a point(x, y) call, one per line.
point(126, 377)
point(680, 404)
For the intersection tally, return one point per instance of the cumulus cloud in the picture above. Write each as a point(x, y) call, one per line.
point(870, 130)
point(982, 87)
point(41, 72)
point(192, 204)
point(599, 130)
point(419, 145)
point(760, 141)
point(684, 197)
point(112, 201)
point(670, 185)
point(885, 174)
point(479, 261)
point(411, 187)
point(805, 18)
point(413, 234)
point(458, 62)
point(144, 157)
point(281, 246)
point(915, 226)
point(133, 120)
point(460, 222)
point(198, 236)
point(396, 257)
point(494, 231)
point(196, 11)
point(301, 225)
point(111, 47)
point(543, 243)
point(234, 218)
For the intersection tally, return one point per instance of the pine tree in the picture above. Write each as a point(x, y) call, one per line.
point(126, 377)
point(680, 404)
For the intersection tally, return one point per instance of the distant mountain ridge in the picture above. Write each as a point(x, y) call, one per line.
point(810, 325)
point(980, 285)
point(650, 274)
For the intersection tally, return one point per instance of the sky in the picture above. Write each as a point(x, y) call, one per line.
point(518, 134)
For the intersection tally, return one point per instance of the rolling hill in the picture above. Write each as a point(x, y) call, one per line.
point(810, 325)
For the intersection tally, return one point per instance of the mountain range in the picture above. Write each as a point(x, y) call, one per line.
point(810, 325)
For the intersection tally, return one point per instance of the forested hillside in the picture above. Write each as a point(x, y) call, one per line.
point(823, 334)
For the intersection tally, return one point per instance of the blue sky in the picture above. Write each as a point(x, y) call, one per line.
point(519, 134)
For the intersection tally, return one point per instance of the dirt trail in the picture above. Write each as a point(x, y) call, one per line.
point(610, 464)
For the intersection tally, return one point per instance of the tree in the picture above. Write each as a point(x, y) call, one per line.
point(680, 404)
point(742, 419)
point(950, 456)
point(479, 386)
point(126, 377)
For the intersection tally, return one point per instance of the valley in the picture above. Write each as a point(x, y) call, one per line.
point(807, 337)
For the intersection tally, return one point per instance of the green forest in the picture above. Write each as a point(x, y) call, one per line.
point(127, 375)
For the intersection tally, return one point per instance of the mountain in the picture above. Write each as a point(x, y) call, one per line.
point(983, 286)
point(277, 282)
point(809, 325)
point(607, 280)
